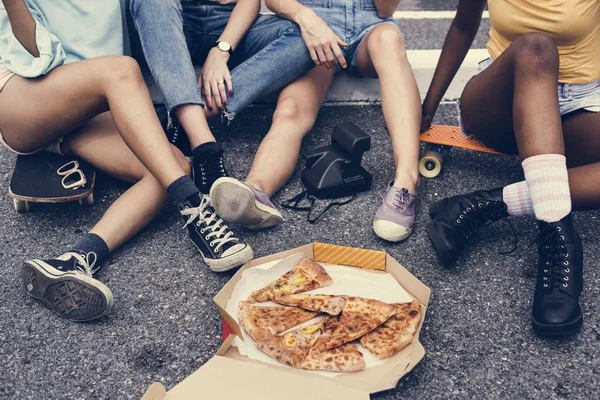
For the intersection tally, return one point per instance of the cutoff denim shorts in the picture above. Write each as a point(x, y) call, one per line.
point(571, 96)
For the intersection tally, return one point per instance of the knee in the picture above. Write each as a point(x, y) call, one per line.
point(122, 69)
point(536, 52)
point(386, 38)
point(291, 111)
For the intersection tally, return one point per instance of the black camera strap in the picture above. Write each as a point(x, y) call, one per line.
point(295, 204)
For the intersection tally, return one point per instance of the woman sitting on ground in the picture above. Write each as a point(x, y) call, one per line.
point(64, 87)
point(369, 44)
point(538, 95)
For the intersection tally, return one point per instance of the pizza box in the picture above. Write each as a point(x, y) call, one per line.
point(230, 375)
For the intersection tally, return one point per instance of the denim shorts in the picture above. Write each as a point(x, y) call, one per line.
point(571, 96)
point(351, 21)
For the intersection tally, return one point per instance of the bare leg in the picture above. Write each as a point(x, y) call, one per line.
point(296, 112)
point(77, 92)
point(193, 119)
point(382, 54)
point(99, 143)
point(512, 105)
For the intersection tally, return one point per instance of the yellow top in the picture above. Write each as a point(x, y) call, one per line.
point(574, 25)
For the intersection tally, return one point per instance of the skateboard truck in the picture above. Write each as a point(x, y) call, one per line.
point(334, 171)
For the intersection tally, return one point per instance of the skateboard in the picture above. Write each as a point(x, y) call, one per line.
point(440, 139)
point(36, 179)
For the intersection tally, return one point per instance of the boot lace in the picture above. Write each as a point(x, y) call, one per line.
point(212, 168)
point(85, 265)
point(556, 268)
point(217, 229)
point(483, 213)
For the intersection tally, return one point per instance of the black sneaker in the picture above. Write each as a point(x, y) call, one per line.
point(556, 309)
point(66, 285)
point(177, 136)
point(208, 166)
point(218, 245)
point(456, 218)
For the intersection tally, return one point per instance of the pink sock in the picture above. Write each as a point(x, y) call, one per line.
point(518, 200)
point(548, 181)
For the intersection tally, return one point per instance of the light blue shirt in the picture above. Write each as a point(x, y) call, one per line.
point(66, 31)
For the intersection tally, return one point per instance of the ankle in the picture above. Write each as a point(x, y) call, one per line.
point(258, 185)
point(408, 180)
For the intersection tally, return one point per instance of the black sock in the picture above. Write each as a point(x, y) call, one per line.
point(205, 149)
point(181, 189)
point(93, 243)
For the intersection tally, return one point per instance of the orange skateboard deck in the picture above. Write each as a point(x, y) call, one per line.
point(430, 164)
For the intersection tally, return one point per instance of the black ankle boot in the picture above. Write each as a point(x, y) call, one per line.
point(556, 309)
point(455, 218)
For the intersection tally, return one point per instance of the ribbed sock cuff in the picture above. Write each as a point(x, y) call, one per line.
point(93, 243)
point(181, 189)
point(548, 181)
point(518, 199)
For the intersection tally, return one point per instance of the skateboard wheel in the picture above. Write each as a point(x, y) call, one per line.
point(22, 206)
point(87, 201)
point(430, 164)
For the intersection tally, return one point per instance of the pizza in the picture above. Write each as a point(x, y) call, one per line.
point(359, 316)
point(263, 322)
point(396, 333)
point(344, 358)
point(292, 347)
point(326, 303)
point(306, 275)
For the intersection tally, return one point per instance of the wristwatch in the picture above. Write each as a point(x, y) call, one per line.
point(223, 46)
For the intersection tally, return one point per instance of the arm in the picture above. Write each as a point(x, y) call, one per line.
point(215, 68)
point(26, 46)
point(386, 8)
point(322, 42)
point(22, 24)
point(460, 37)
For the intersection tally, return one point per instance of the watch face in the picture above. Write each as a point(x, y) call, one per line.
point(224, 46)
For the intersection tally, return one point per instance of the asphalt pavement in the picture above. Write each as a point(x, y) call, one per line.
point(477, 334)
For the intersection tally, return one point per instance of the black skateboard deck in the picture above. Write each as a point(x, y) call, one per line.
point(35, 180)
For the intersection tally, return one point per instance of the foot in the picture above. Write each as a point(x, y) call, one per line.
point(218, 245)
point(242, 204)
point(66, 286)
point(556, 309)
point(208, 166)
point(395, 219)
point(456, 218)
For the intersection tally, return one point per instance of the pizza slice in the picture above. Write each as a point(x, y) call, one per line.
point(326, 303)
point(306, 275)
point(264, 322)
point(396, 333)
point(359, 316)
point(344, 358)
point(293, 347)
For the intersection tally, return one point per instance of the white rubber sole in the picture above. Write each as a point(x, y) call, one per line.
point(390, 231)
point(71, 295)
point(237, 204)
point(229, 262)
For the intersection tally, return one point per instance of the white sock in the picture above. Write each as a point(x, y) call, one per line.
point(518, 199)
point(548, 181)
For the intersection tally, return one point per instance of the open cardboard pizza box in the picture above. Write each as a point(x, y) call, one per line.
point(230, 375)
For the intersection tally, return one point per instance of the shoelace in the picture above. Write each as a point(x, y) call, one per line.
point(86, 265)
point(401, 199)
point(483, 213)
point(556, 265)
point(213, 168)
point(205, 214)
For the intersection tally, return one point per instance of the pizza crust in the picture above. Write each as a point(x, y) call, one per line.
point(263, 322)
point(291, 348)
point(345, 358)
point(396, 333)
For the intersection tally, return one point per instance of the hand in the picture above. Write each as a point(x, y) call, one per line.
point(215, 79)
point(425, 122)
point(322, 42)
